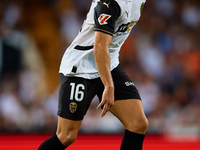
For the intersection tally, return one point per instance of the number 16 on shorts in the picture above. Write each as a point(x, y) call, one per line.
point(77, 92)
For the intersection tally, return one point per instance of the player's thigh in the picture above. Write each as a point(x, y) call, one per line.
point(131, 113)
point(66, 126)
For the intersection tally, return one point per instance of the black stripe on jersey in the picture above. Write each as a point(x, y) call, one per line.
point(104, 31)
point(83, 48)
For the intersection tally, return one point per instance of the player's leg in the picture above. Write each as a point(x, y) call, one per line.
point(67, 130)
point(66, 134)
point(74, 100)
point(131, 114)
point(128, 109)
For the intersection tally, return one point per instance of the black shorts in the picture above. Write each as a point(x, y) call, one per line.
point(76, 93)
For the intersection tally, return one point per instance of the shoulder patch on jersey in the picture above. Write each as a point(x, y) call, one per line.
point(103, 19)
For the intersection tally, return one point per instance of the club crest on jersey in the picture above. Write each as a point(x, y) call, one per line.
point(103, 19)
point(73, 107)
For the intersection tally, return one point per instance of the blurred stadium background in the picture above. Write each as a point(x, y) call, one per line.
point(162, 57)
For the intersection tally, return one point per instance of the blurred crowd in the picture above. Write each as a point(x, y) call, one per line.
point(161, 56)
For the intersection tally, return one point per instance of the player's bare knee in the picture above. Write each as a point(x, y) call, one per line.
point(142, 124)
point(145, 124)
point(138, 125)
point(67, 139)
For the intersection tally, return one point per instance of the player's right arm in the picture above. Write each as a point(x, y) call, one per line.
point(105, 14)
point(102, 58)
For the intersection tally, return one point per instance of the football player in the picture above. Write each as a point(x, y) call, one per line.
point(90, 66)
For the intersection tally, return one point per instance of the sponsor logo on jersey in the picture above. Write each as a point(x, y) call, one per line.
point(103, 19)
point(73, 107)
point(128, 83)
point(125, 28)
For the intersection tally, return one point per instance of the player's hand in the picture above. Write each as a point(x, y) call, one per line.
point(107, 100)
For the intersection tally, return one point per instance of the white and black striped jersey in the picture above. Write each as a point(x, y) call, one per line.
point(113, 17)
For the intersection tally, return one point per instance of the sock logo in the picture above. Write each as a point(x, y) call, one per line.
point(103, 18)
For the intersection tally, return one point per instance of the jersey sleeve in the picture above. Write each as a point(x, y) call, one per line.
point(105, 14)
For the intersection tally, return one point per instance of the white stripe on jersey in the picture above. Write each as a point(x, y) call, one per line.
point(84, 60)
